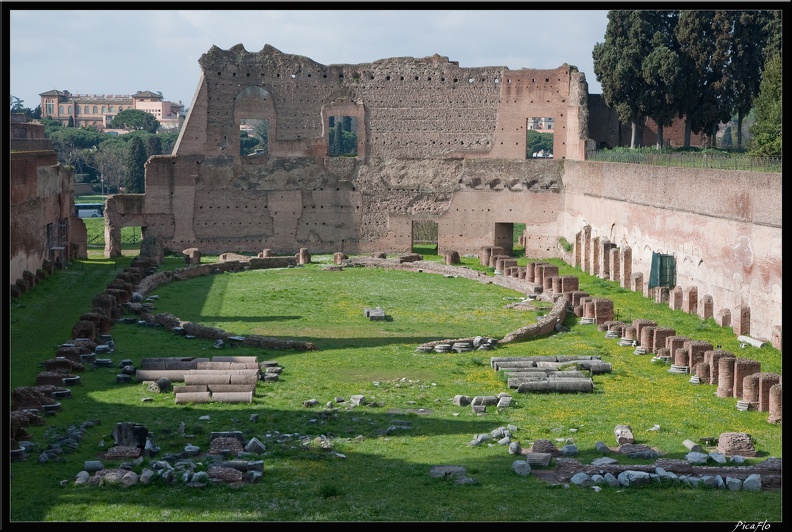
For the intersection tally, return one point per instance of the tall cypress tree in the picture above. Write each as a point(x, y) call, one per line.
point(338, 138)
point(662, 72)
point(618, 64)
point(747, 61)
point(704, 41)
point(134, 178)
point(153, 145)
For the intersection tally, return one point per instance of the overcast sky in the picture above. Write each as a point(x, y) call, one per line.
point(95, 51)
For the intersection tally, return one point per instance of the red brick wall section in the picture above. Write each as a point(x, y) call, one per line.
point(742, 322)
point(690, 300)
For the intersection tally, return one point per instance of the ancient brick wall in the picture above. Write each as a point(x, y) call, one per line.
point(428, 133)
point(440, 143)
point(40, 194)
point(723, 228)
point(406, 107)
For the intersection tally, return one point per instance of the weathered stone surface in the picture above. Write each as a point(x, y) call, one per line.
point(623, 434)
point(255, 446)
point(439, 471)
point(545, 446)
point(119, 452)
point(736, 443)
point(224, 474)
point(130, 434)
point(634, 478)
point(484, 400)
point(582, 479)
point(638, 450)
point(538, 459)
point(461, 400)
point(692, 446)
point(521, 467)
point(602, 448)
point(697, 457)
point(604, 461)
point(752, 483)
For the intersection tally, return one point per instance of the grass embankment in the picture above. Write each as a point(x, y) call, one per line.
point(385, 473)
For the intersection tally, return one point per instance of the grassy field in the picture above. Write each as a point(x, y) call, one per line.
point(90, 198)
point(378, 467)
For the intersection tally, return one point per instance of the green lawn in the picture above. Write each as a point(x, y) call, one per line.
point(409, 423)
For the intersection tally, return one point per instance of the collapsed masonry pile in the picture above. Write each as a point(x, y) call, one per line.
point(479, 403)
point(90, 339)
point(698, 470)
point(551, 374)
point(460, 345)
point(223, 379)
point(225, 462)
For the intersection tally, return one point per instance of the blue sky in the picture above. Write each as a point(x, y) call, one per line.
point(115, 51)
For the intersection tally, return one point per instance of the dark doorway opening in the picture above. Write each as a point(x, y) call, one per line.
point(504, 237)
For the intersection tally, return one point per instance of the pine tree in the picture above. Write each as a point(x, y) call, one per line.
point(767, 129)
point(638, 67)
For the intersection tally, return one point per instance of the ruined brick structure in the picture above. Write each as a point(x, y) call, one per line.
point(440, 143)
point(44, 231)
point(436, 142)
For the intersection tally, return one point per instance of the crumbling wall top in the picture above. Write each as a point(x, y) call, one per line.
point(238, 54)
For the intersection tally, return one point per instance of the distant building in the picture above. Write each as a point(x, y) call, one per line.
point(98, 110)
point(544, 124)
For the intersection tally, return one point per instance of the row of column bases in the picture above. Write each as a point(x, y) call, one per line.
point(600, 257)
point(737, 377)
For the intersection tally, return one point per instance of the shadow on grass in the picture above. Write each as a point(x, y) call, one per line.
point(351, 481)
point(249, 319)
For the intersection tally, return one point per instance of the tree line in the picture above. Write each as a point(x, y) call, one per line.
point(705, 67)
point(106, 161)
